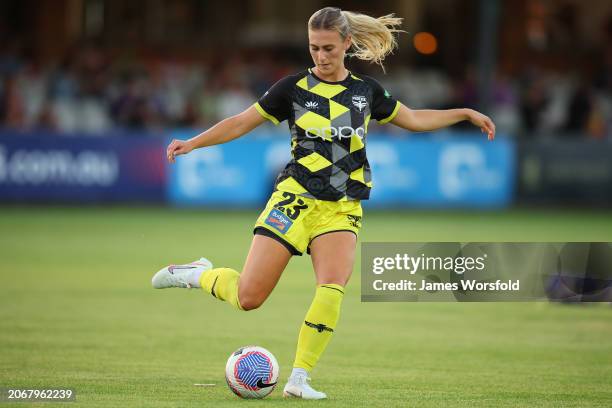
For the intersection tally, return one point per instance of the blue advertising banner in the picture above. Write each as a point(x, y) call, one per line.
point(46, 167)
point(240, 173)
point(435, 171)
point(420, 171)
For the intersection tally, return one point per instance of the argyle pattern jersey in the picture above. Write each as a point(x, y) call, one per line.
point(328, 123)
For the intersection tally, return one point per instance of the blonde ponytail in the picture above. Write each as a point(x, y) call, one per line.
point(372, 38)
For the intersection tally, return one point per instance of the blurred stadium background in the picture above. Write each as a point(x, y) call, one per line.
point(92, 90)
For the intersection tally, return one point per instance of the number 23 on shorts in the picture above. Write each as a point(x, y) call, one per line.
point(290, 206)
point(283, 210)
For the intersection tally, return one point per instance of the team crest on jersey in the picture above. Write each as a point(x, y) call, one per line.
point(360, 102)
point(278, 221)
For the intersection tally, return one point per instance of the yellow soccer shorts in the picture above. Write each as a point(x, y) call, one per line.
point(295, 221)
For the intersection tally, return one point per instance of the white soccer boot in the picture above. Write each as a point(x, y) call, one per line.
point(181, 276)
point(298, 387)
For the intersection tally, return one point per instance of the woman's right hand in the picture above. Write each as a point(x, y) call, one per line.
point(176, 148)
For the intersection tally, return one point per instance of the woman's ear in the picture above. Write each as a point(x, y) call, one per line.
point(347, 43)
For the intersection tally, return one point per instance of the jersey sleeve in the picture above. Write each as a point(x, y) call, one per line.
point(275, 104)
point(384, 106)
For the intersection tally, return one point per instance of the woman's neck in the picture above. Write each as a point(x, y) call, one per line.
point(336, 76)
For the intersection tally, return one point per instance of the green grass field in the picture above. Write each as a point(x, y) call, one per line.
point(77, 310)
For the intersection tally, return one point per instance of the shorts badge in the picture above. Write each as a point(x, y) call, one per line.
point(278, 220)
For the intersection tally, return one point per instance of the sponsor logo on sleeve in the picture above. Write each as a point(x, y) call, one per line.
point(312, 105)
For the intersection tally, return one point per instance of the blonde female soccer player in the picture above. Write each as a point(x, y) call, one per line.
point(316, 205)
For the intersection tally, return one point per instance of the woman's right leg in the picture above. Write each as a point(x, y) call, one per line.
point(264, 265)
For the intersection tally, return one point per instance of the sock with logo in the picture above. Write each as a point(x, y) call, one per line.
point(319, 325)
point(222, 283)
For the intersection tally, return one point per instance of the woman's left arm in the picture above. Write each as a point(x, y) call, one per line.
point(426, 120)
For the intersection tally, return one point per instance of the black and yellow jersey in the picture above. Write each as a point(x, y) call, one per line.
point(328, 123)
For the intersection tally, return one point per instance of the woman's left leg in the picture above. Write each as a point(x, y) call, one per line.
point(333, 257)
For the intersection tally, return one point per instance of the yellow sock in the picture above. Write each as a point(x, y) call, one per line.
point(318, 325)
point(222, 283)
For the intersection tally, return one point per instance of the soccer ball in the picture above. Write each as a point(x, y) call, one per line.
point(251, 372)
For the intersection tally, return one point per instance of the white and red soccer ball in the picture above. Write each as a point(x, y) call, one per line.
point(251, 372)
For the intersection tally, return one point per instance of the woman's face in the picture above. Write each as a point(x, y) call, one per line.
point(327, 49)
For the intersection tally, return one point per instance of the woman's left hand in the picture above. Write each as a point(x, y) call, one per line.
point(485, 123)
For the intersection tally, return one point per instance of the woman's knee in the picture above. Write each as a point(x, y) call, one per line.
point(326, 276)
point(341, 281)
point(250, 300)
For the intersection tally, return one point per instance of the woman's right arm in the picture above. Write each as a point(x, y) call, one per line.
point(223, 132)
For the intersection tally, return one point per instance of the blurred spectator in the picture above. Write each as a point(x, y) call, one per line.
point(136, 107)
point(78, 91)
point(579, 109)
point(13, 106)
point(534, 100)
